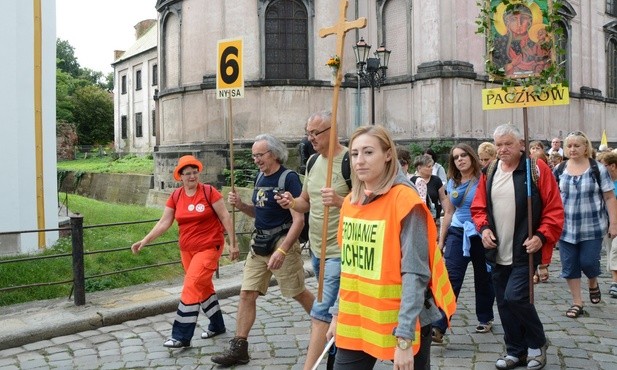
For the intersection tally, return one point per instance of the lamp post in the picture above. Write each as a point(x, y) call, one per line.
point(371, 70)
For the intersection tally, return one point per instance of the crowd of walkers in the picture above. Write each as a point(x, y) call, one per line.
point(393, 237)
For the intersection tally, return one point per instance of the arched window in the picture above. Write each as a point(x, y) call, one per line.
point(286, 40)
point(396, 21)
point(567, 13)
point(611, 60)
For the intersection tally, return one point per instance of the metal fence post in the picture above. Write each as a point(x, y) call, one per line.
point(77, 242)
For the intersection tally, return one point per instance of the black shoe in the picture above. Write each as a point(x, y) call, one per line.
point(236, 354)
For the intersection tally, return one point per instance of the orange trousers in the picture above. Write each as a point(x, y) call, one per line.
point(199, 267)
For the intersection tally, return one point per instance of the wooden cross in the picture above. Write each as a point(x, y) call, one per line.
point(339, 29)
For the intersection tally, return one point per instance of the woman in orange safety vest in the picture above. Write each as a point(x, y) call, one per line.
point(387, 297)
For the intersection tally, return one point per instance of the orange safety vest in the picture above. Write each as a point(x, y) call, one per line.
point(371, 282)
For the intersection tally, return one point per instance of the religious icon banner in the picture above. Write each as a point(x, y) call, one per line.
point(522, 47)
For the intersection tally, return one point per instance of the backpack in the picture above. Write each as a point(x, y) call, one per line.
point(176, 195)
point(593, 164)
point(345, 167)
point(282, 178)
point(490, 170)
point(345, 171)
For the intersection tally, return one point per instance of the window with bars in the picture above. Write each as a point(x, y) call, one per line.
point(611, 7)
point(286, 34)
point(123, 84)
point(138, 79)
point(138, 125)
point(123, 127)
point(611, 64)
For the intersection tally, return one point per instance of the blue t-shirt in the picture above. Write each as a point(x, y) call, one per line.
point(462, 201)
point(615, 190)
point(268, 214)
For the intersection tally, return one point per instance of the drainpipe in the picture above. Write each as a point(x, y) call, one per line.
point(358, 91)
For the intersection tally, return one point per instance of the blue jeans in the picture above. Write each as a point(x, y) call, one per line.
point(521, 325)
point(456, 264)
point(331, 284)
point(583, 256)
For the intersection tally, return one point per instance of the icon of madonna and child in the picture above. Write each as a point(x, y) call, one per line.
point(522, 45)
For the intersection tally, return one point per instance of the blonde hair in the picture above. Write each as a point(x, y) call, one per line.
point(391, 169)
point(488, 148)
point(580, 134)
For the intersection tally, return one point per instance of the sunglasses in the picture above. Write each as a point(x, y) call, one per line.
point(576, 133)
point(462, 155)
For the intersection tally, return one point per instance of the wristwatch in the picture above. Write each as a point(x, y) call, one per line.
point(403, 343)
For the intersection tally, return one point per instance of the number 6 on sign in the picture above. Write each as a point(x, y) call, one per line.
point(229, 75)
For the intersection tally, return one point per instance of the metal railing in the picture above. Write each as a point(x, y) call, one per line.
point(76, 229)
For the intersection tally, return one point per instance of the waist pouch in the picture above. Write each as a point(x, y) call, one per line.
point(264, 241)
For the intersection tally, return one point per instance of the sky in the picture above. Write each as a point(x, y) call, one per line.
point(95, 28)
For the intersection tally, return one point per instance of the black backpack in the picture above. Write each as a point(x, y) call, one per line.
point(595, 170)
point(345, 171)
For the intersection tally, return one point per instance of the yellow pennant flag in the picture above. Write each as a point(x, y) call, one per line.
point(604, 140)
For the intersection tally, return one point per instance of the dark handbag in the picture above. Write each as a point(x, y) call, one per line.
point(264, 241)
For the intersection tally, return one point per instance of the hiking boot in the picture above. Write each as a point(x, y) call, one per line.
point(238, 353)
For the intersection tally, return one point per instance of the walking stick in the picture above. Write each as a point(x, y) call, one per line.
point(529, 210)
point(325, 350)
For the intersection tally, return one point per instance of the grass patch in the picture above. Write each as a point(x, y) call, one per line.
point(108, 164)
point(96, 239)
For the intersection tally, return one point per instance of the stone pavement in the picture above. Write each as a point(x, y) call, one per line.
point(98, 337)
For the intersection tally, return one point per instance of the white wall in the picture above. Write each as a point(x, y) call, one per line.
point(18, 193)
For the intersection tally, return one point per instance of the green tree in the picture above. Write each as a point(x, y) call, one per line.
point(66, 60)
point(64, 90)
point(93, 114)
point(109, 86)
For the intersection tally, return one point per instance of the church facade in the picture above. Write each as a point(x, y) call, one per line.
point(434, 78)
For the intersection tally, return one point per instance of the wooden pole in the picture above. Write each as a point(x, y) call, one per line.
point(529, 210)
point(231, 168)
point(339, 29)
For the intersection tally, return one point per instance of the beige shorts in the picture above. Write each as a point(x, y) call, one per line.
point(611, 253)
point(290, 276)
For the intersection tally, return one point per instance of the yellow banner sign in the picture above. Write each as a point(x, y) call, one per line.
point(518, 97)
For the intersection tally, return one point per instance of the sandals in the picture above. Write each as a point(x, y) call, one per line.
point(506, 362)
point(437, 335)
point(537, 362)
point(211, 334)
point(575, 311)
point(613, 290)
point(174, 343)
point(595, 295)
point(484, 327)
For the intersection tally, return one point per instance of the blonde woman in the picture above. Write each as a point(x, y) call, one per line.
point(368, 326)
point(586, 200)
point(486, 153)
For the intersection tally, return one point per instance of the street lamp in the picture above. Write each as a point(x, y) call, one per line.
point(371, 70)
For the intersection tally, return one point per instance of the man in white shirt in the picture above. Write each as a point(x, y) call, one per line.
point(555, 147)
